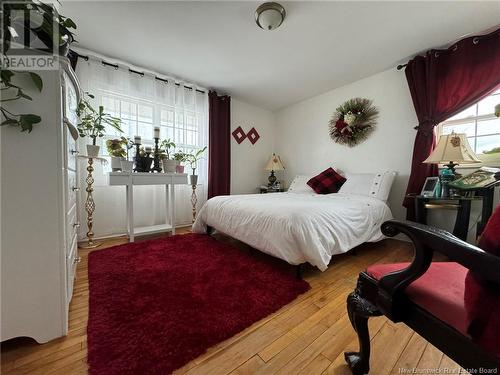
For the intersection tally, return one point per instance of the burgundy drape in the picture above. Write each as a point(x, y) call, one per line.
point(442, 83)
point(219, 144)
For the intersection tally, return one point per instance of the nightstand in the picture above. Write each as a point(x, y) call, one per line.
point(461, 204)
point(269, 190)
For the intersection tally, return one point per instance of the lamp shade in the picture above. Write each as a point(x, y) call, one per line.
point(452, 148)
point(274, 164)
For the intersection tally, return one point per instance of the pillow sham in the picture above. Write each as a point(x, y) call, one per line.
point(327, 182)
point(376, 185)
point(299, 185)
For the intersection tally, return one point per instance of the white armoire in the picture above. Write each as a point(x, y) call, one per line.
point(39, 187)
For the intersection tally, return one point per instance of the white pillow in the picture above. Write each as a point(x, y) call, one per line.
point(376, 185)
point(299, 185)
point(357, 183)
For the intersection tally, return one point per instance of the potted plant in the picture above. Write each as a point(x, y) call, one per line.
point(14, 29)
point(117, 151)
point(127, 165)
point(52, 28)
point(193, 159)
point(144, 160)
point(168, 164)
point(93, 124)
point(179, 157)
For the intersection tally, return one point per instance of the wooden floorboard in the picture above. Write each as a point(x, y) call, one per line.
point(308, 336)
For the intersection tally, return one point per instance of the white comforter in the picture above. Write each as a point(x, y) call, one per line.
point(297, 228)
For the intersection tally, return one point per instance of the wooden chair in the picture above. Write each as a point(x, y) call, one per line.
point(427, 296)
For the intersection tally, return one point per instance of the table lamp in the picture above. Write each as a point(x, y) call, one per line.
point(274, 164)
point(452, 149)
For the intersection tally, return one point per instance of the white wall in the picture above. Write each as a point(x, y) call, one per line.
point(248, 160)
point(304, 144)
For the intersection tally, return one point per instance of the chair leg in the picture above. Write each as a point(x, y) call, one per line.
point(359, 310)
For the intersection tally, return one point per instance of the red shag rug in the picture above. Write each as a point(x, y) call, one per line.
point(156, 305)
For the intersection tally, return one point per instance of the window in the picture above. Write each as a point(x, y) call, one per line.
point(481, 126)
point(136, 116)
point(139, 117)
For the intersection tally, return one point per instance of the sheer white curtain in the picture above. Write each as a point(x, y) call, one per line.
point(143, 102)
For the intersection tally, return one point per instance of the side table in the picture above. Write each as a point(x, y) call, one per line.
point(461, 204)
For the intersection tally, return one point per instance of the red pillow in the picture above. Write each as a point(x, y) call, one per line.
point(327, 182)
point(482, 299)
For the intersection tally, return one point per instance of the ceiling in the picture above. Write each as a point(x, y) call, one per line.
point(320, 46)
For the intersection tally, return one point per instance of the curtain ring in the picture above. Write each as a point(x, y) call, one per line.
point(475, 40)
point(436, 54)
point(116, 67)
point(455, 47)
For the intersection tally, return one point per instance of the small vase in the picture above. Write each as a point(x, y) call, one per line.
point(92, 151)
point(193, 179)
point(127, 166)
point(179, 169)
point(116, 163)
point(169, 165)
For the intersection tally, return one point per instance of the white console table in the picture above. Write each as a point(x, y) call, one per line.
point(130, 179)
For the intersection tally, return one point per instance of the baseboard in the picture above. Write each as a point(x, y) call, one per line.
point(118, 235)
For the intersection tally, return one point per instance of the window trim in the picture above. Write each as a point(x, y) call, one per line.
point(492, 160)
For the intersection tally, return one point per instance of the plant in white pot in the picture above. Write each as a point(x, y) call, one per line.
point(93, 124)
point(168, 163)
point(179, 157)
point(117, 151)
point(193, 159)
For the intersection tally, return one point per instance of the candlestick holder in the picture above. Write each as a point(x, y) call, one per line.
point(137, 156)
point(156, 163)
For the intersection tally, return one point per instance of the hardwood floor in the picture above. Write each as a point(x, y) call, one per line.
point(308, 336)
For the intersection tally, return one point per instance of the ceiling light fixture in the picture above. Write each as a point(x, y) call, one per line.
point(270, 16)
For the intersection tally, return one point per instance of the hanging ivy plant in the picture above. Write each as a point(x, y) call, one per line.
point(353, 121)
point(14, 28)
point(11, 92)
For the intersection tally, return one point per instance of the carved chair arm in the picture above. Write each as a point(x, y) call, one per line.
point(426, 240)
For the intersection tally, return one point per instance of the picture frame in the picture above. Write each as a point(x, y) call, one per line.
point(430, 186)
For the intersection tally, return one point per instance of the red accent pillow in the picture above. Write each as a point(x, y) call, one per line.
point(327, 182)
point(482, 299)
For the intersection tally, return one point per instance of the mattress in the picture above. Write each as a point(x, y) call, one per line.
point(297, 228)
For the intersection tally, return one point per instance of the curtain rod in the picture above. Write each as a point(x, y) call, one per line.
point(453, 46)
point(86, 58)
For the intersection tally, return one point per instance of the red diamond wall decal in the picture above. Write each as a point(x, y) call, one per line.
point(239, 135)
point(253, 136)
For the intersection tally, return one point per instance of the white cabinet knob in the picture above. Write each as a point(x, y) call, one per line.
point(75, 152)
point(76, 225)
point(75, 188)
point(77, 260)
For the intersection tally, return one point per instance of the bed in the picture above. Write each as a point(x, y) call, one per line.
point(301, 226)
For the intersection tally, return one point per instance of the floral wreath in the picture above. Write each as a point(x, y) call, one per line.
point(353, 121)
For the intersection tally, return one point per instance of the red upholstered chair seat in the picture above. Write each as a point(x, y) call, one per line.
point(440, 290)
